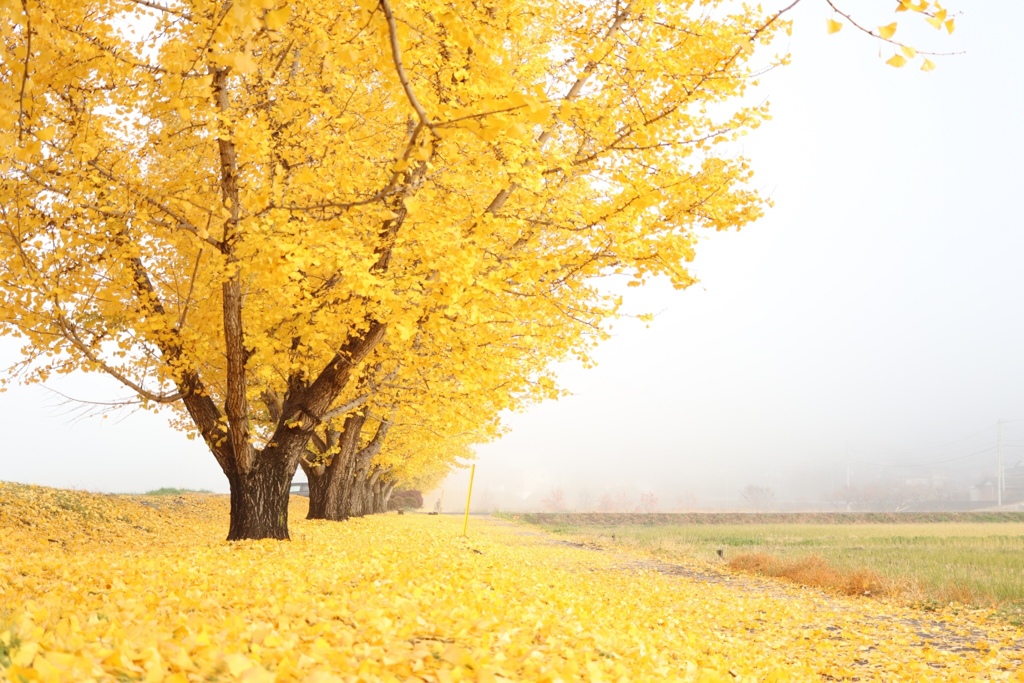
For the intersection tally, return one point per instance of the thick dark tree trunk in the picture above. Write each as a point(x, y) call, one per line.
point(317, 489)
point(259, 500)
point(330, 493)
point(326, 491)
point(342, 504)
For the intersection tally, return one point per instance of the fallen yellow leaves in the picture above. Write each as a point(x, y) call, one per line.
point(134, 588)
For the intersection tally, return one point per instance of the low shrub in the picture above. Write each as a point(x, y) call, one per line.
point(813, 570)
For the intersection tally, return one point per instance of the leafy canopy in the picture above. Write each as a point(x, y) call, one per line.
point(221, 202)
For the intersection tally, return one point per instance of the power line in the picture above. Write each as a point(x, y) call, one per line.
point(972, 435)
point(918, 463)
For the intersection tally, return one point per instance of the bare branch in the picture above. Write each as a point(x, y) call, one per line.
point(68, 332)
point(875, 34)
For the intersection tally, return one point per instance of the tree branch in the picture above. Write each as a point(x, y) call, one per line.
point(180, 220)
point(396, 56)
point(305, 405)
point(620, 19)
point(24, 75)
point(236, 404)
point(191, 287)
point(204, 412)
point(875, 34)
point(367, 453)
point(346, 407)
point(68, 332)
point(163, 8)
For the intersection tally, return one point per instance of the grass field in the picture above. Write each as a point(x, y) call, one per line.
point(172, 491)
point(927, 562)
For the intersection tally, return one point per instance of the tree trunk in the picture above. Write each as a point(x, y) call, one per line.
point(356, 499)
point(365, 477)
point(259, 501)
point(373, 485)
point(376, 497)
point(360, 492)
point(317, 487)
point(382, 490)
point(370, 499)
point(330, 493)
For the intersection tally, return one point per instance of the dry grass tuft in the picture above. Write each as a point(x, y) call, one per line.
point(961, 593)
point(813, 570)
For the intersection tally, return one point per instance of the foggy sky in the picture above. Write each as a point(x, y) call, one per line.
point(874, 319)
point(873, 316)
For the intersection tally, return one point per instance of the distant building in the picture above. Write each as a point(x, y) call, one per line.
point(1013, 481)
point(984, 490)
point(1013, 486)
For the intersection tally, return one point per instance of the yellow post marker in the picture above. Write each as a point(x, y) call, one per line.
point(469, 494)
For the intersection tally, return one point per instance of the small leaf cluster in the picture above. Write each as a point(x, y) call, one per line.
point(933, 13)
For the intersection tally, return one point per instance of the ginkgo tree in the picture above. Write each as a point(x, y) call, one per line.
point(231, 205)
point(455, 380)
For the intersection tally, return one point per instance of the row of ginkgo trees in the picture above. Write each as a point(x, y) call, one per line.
point(307, 227)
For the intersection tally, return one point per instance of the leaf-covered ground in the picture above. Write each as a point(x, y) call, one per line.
point(144, 588)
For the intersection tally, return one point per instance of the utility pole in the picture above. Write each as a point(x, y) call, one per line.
point(999, 456)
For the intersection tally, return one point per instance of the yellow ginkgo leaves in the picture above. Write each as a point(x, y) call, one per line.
point(937, 19)
point(131, 588)
point(270, 201)
point(276, 19)
point(933, 13)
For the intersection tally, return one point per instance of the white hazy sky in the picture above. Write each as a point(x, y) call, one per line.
point(874, 317)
